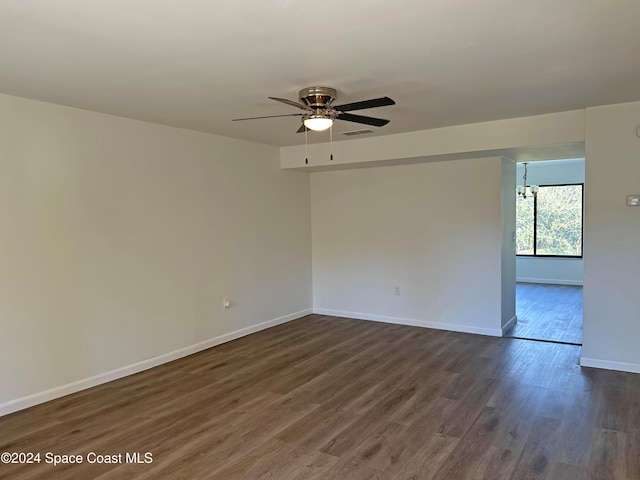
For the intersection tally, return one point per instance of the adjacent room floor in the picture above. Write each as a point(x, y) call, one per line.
point(548, 312)
point(333, 398)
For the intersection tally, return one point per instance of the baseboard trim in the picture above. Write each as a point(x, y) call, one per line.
point(512, 321)
point(493, 332)
point(550, 281)
point(63, 390)
point(609, 365)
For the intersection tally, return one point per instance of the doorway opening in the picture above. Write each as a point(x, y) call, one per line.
point(549, 257)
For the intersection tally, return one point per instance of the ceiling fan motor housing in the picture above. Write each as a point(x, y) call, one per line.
point(317, 97)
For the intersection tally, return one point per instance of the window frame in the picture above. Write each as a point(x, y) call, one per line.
point(535, 224)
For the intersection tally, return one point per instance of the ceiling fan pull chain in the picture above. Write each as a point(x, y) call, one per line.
point(331, 143)
point(306, 148)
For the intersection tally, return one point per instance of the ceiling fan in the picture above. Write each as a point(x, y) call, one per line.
point(319, 114)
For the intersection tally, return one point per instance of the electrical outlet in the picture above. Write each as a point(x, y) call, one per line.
point(226, 302)
point(396, 290)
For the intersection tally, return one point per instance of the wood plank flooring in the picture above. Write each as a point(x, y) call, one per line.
point(548, 312)
point(333, 398)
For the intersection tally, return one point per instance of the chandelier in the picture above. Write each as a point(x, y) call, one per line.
point(522, 189)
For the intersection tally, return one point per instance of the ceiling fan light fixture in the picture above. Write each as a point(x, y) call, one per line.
point(318, 123)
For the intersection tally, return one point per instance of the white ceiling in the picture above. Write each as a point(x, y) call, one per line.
point(199, 63)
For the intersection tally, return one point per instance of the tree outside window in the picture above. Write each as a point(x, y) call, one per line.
point(551, 223)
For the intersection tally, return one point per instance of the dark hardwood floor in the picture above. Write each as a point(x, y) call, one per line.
point(548, 312)
point(333, 398)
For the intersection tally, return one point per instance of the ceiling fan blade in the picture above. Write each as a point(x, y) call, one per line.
point(376, 122)
point(374, 102)
point(269, 116)
point(302, 129)
point(290, 102)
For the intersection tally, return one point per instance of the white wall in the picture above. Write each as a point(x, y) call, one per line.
point(508, 257)
point(564, 271)
point(558, 134)
point(119, 239)
point(612, 230)
point(432, 229)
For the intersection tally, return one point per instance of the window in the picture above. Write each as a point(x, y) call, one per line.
point(550, 224)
